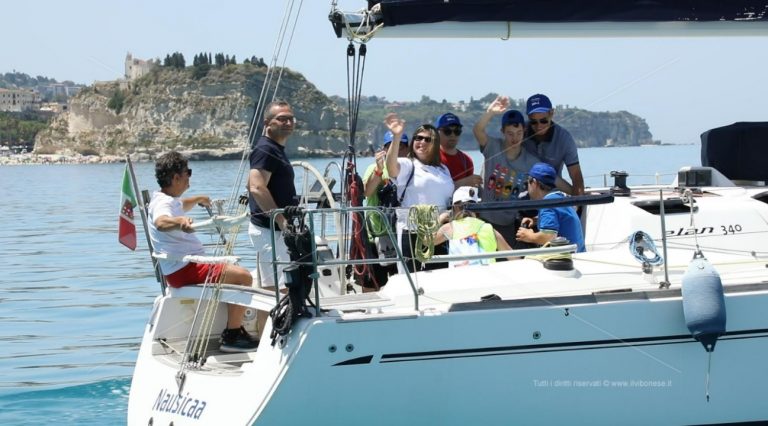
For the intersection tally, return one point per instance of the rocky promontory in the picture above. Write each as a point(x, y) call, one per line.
point(170, 109)
point(209, 116)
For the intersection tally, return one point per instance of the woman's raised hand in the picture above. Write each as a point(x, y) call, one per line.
point(395, 124)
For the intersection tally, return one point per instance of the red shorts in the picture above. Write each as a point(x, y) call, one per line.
point(195, 273)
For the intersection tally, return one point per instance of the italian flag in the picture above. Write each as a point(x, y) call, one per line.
point(126, 227)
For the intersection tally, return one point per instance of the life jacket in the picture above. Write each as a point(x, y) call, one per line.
point(471, 236)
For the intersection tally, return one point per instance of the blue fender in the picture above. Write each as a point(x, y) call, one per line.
point(703, 302)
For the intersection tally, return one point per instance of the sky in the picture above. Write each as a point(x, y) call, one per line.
point(681, 86)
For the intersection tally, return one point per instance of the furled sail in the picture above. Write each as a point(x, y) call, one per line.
point(555, 18)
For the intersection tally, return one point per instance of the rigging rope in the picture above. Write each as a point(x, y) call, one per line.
point(358, 34)
point(205, 313)
point(268, 91)
point(688, 195)
point(353, 191)
point(355, 69)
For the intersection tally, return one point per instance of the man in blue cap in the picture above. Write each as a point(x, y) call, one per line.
point(552, 221)
point(550, 142)
point(460, 165)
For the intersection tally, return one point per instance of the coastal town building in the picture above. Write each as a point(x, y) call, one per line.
point(17, 100)
point(58, 91)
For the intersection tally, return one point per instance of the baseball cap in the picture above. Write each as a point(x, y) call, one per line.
point(538, 103)
point(448, 119)
point(388, 138)
point(512, 116)
point(464, 194)
point(543, 173)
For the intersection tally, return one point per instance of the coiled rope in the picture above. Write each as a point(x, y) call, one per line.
point(639, 244)
point(423, 219)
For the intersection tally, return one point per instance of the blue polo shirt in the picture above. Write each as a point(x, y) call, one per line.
point(557, 149)
point(562, 220)
point(269, 155)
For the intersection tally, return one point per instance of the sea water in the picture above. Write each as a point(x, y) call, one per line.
point(74, 302)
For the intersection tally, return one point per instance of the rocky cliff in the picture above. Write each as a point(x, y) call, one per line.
point(170, 109)
point(209, 117)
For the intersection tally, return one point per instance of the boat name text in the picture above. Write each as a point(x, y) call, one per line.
point(187, 406)
point(724, 229)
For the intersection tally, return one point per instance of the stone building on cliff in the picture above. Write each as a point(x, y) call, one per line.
point(136, 68)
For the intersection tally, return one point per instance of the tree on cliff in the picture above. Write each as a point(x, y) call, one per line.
point(220, 60)
point(200, 70)
point(176, 60)
point(117, 101)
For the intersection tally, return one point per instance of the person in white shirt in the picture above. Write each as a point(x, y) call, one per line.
point(421, 179)
point(171, 233)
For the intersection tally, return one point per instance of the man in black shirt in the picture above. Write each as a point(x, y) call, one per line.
point(270, 186)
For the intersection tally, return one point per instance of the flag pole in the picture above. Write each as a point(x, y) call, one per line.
point(142, 211)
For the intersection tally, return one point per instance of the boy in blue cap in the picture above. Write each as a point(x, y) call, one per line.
point(551, 142)
point(552, 221)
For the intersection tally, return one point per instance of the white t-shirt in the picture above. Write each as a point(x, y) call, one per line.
point(430, 185)
point(176, 243)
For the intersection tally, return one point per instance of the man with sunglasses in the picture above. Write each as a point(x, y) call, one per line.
point(551, 142)
point(459, 164)
point(270, 187)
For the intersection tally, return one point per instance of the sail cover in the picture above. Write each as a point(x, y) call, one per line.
point(404, 12)
point(738, 151)
point(553, 18)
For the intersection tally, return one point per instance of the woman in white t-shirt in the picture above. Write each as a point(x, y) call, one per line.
point(421, 179)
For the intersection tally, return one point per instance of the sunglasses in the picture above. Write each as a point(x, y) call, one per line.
point(534, 121)
point(285, 118)
point(189, 172)
point(451, 131)
point(425, 139)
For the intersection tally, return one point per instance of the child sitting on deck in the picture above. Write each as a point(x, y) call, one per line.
point(466, 233)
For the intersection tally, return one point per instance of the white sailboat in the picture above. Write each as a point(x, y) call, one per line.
point(615, 335)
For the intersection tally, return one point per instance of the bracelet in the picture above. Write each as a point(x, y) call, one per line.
point(378, 172)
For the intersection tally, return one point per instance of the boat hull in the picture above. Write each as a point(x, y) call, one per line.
point(622, 358)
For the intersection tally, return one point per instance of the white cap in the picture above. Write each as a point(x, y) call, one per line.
point(465, 194)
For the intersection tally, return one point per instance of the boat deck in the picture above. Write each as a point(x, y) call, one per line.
point(170, 351)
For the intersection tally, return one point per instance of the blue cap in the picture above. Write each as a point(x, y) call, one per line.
point(388, 136)
point(512, 116)
point(538, 103)
point(448, 119)
point(543, 173)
